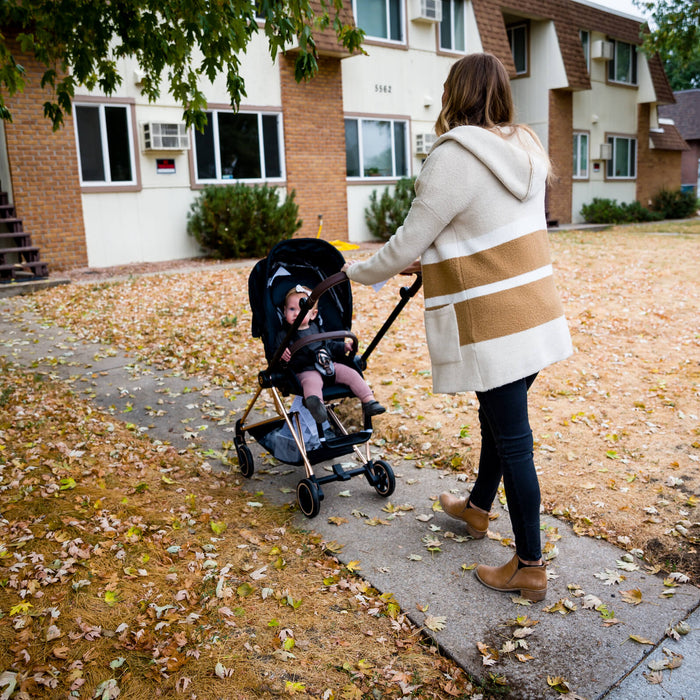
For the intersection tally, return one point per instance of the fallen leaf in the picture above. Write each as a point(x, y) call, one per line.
point(435, 622)
point(559, 684)
point(633, 596)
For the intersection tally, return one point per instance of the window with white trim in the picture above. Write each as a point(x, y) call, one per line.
point(380, 19)
point(453, 30)
point(623, 163)
point(580, 155)
point(105, 144)
point(376, 148)
point(585, 37)
point(517, 38)
point(239, 146)
point(623, 66)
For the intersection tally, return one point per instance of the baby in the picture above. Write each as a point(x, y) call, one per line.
point(313, 363)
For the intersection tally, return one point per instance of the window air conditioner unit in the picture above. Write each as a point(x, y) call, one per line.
point(602, 50)
point(424, 142)
point(605, 151)
point(158, 136)
point(428, 11)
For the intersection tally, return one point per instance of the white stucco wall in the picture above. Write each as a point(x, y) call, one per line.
point(604, 109)
point(531, 92)
point(137, 226)
point(5, 179)
point(151, 225)
point(414, 79)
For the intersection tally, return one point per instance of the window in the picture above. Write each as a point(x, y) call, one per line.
point(623, 163)
point(381, 19)
point(241, 146)
point(453, 26)
point(623, 66)
point(585, 37)
point(517, 38)
point(105, 144)
point(376, 148)
point(580, 155)
point(259, 14)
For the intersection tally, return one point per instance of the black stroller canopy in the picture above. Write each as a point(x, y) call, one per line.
point(306, 261)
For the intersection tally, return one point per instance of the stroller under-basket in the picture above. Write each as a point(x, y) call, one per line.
point(291, 435)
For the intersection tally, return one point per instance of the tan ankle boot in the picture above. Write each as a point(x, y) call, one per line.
point(476, 522)
point(531, 581)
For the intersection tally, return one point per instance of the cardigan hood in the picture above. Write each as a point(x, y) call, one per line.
point(511, 154)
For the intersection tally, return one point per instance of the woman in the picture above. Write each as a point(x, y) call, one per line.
point(493, 317)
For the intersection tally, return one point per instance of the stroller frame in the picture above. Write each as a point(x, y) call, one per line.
point(279, 381)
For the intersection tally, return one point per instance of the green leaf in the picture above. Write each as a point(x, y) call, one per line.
point(67, 483)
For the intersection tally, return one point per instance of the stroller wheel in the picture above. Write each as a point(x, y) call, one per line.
point(245, 461)
point(308, 498)
point(383, 480)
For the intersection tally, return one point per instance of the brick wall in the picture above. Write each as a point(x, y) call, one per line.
point(314, 139)
point(44, 172)
point(656, 169)
point(689, 163)
point(561, 136)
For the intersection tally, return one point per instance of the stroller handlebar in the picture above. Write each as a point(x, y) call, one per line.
point(324, 286)
point(330, 335)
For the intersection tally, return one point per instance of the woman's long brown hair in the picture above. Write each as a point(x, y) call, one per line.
point(477, 93)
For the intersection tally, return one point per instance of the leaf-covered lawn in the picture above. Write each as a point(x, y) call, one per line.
point(616, 426)
point(617, 438)
point(128, 569)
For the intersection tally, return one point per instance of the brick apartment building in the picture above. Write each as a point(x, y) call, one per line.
point(115, 185)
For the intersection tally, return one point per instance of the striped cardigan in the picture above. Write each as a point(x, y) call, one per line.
point(492, 312)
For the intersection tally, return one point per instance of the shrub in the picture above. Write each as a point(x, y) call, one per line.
point(601, 211)
point(675, 204)
point(608, 211)
point(635, 212)
point(240, 221)
point(386, 213)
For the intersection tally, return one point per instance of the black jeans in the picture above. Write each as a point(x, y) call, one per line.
point(506, 452)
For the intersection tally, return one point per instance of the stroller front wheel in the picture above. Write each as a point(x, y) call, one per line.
point(308, 498)
point(383, 480)
point(245, 461)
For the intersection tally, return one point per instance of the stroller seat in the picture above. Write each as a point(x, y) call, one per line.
point(292, 435)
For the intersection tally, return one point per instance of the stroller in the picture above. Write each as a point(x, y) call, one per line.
point(293, 436)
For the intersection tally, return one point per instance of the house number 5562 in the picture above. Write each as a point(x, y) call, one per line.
point(385, 89)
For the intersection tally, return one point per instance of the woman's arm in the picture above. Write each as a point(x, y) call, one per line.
point(441, 193)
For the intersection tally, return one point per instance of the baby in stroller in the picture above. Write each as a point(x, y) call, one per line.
point(322, 302)
point(314, 365)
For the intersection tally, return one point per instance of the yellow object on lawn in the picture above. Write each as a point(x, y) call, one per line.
point(339, 245)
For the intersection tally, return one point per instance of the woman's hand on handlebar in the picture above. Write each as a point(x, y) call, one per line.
point(412, 269)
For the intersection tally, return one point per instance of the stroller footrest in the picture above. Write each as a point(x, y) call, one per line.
point(348, 441)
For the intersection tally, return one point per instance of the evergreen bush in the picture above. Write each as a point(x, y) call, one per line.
point(608, 211)
point(386, 213)
point(675, 204)
point(241, 221)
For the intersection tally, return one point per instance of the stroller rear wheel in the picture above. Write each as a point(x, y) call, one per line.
point(308, 498)
point(384, 481)
point(245, 461)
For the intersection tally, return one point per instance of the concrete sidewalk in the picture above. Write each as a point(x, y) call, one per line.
point(393, 538)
